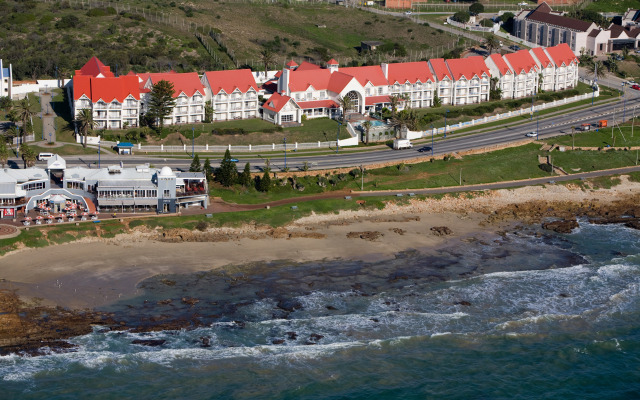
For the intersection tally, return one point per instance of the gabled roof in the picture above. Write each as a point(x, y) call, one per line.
point(299, 81)
point(617, 31)
point(544, 8)
point(468, 67)
point(367, 74)
point(277, 102)
point(291, 64)
point(332, 62)
point(521, 61)
point(107, 89)
point(339, 81)
point(307, 66)
point(440, 68)
point(539, 53)
point(562, 54)
point(409, 72)
point(188, 83)
point(558, 20)
point(95, 67)
point(595, 32)
point(230, 80)
point(501, 64)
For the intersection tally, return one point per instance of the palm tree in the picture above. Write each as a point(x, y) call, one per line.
point(491, 42)
point(266, 56)
point(408, 118)
point(367, 127)
point(85, 122)
point(28, 155)
point(597, 69)
point(394, 102)
point(11, 132)
point(346, 103)
point(25, 114)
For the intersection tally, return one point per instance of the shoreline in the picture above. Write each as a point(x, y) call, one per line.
point(93, 272)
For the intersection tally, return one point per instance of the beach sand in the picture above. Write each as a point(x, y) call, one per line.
point(94, 272)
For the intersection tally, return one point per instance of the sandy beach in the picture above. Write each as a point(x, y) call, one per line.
point(94, 272)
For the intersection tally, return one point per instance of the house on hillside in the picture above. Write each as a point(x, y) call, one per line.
point(233, 94)
point(566, 67)
point(503, 72)
point(525, 72)
point(413, 80)
point(546, 68)
point(444, 78)
point(471, 79)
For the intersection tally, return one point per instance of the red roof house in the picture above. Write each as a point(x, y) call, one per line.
point(562, 55)
point(521, 61)
point(95, 68)
point(468, 67)
point(411, 72)
point(541, 56)
point(440, 69)
point(230, 80)
point(106, 89)
point(502, 66)
point(188, 83)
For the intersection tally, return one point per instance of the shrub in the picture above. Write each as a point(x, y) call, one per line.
point(68, 21)
point(229, 131)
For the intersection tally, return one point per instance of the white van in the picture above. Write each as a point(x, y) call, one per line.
point(45, 156)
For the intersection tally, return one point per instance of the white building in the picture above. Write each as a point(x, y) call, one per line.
point(233, 94)
point(189, 94)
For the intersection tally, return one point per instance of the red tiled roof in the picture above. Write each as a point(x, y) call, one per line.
point(95, 67)
point(187, 83)
point(500, 63)
point(440, 68)
point(541, 56)
point(299, 81)
point(307, 66)
point(369, 101)
point(468, 67)
point(409, 72)
point(230, 80)
point(339, 80)
point(276, 102)
point(521, 61)
point(367, 74)
point(317, 104)
point(332, 62)
point(291, 64)
point(562, 54)
point(107, 89)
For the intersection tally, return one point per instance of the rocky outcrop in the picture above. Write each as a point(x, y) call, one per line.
point(367, 235)
point(441, 231)
point(562, 226)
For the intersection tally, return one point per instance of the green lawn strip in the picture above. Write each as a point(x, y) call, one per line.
point(67, 149)
point(617, 6)
point(601, 138)
point(587, 161)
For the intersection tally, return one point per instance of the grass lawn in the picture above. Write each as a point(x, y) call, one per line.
point(67, 150)
point(612, 5)
point(602, 138)
point(585, 161)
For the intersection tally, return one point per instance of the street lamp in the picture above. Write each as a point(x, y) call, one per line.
point(533, 93)
point(624, 104)
point(285, 153)
point(98, 153)
point(193, 138)
point(445, 123)
point(537, 124)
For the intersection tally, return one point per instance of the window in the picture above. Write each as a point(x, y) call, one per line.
point(380, 90)
point(167, 193)
point(287, 118)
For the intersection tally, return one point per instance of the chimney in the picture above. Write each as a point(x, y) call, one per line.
point(283, 82)
point(385, 69)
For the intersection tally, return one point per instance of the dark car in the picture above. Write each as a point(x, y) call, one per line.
point(423, 149)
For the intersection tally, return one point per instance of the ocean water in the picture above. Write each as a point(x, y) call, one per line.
point(504, 317)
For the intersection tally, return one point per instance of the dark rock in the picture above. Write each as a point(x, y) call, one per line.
point(309, 343)
point(374, 319)
point(562, 226)
point(332, 308)
point(206, 341)
point(315, 336)
point(441, 231)
point(462, 303)
point(289, 305)
point(635, 224)
point(277, 341)
point(149, 342)
point(292, 335)
point(563, 295)
point(279, 314)
point(190, 301)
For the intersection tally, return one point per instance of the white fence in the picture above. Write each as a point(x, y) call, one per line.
point(497, 117)
point(92, 140)
point(474, 27)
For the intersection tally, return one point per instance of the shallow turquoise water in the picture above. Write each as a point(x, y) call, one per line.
point(551, 317)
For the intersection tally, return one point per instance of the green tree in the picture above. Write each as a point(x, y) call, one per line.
point(162, 101)
point(408, 118)
point(394, 102)
point(227, 174)
point(4, 153)
point(84, 121)
point(346, 103)
point(476, 8)
point(28, 155)
point(507, 21)
point(597, 69)
point(5, 102)
point(11, 132)
point(12, 115)
point(195, 164)
point(208, 112)
point(266, 56)
point(245, 177)
point(436, 100)
point(207, 169)
point(264, 184)
point(462, 16)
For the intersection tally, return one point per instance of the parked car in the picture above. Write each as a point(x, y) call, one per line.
point(514, 47)
point(407, 13)
point(636, 87)
point(531, 134)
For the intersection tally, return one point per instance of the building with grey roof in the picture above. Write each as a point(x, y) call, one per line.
point(106, 189)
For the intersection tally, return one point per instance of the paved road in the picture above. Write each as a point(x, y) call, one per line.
point(510, 133)
point(48, 118)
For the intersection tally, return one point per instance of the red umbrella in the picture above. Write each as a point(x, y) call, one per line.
point(39, 217)
point(74, 206)
point(61, 216)
point(50, 217)
point(27, 218)
point(85, 213)
point(48, 208)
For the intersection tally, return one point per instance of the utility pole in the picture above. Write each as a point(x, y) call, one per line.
point(362, 177)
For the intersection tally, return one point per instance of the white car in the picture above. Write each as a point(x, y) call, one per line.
point(408, 13)
point(531, 134)
point(524, 3)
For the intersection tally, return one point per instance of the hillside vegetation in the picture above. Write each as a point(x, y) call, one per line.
point(37, 36)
